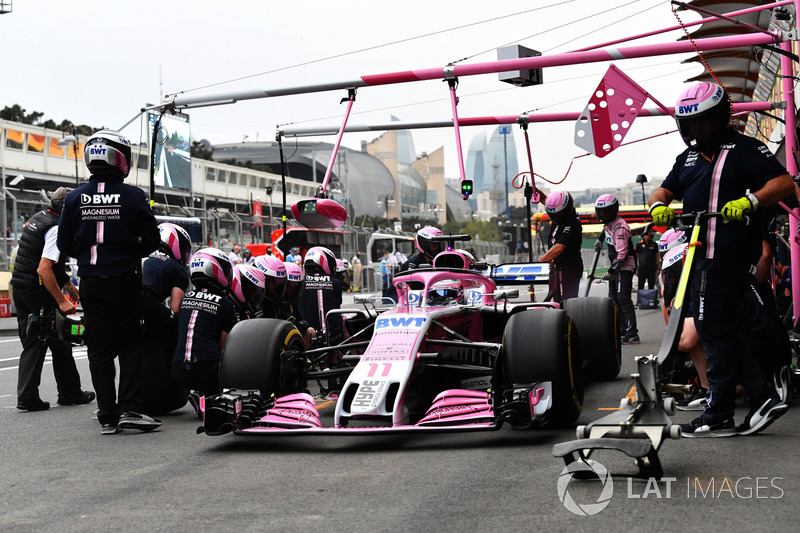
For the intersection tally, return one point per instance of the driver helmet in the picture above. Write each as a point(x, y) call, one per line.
point(671, 267)
point(320, 260)
point(558, 204)
point(606, 208)
point(670, 239)
point(175, 242)
point(424, 241)
point(210, 268)
point(294, 282)
point(274, 276)
point(247, 286)
point(704, 103)
point(57, 200)
point(454, 259)
point(446, 292)
point(108, 151)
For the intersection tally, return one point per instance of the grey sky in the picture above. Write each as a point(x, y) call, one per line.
point(98, 62)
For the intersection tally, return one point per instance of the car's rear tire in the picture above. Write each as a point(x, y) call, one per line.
point(542, 345)
point(597, 321)
point(251, 358)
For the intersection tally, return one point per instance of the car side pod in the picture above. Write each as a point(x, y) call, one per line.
point(637, 429)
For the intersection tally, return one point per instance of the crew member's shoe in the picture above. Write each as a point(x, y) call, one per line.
point(110, 429)
point(631, 339)
point(758, 419)
point(79, 399)
point(131, 420)
point(35, 405)
point(695, 402)
point(782, 383)
point(696, 428)
point(194, 401)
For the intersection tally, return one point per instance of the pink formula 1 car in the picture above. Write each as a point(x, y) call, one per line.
point(453, 354)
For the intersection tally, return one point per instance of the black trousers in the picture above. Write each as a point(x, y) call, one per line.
point(31, 360)
point(648, 275)
point(158, 392)
point(619, 290)
point(203, 376)
point(718, 297)
point(113, 319)
point(568, 278)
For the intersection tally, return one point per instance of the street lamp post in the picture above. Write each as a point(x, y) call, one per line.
point(641, 178)
point(72, 139)
point(269, 193)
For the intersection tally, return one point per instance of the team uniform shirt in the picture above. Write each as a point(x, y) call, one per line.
point(108, 226)
point(647, 254)
point(50, 250)
point(740, 164)
point(320, 293)
point(161, 273)
point(202, 318)
point(620, 246)
point(570, 234)
point(413, 262)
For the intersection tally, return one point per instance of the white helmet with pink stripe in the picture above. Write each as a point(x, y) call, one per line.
point(320, 260)
point(210, 268)
point(247, 286)
point(274, 271)
point(703, 114)
point(670, 239)
point(607, 208)
point(558, 204)
point(108, 151)
point(175, 242)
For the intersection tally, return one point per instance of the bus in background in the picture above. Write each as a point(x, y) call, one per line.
point(391, 242)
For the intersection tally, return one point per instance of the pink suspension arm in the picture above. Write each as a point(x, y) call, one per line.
point(350, 99)
point(454, 103)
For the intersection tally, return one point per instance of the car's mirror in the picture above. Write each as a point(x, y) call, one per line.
point(504, 294)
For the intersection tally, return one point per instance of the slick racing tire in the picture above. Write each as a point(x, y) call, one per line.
point(542, 345)
point(597, 320)
point(251, 358)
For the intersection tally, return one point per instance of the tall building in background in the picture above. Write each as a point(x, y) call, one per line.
point(491, 166)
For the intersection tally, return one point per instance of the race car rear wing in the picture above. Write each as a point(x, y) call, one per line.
point(520, 273)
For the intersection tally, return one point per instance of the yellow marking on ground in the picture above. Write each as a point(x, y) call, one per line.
point(631, 396)
point(325, 403)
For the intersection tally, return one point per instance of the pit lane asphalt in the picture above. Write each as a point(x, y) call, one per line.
point(59, 473)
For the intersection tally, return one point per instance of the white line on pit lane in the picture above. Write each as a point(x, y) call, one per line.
point(48, 360)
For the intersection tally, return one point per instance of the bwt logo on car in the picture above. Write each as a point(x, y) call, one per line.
point(102, 199)
point(400, 322)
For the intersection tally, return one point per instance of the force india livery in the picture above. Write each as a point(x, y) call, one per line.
point(453, 354)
